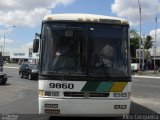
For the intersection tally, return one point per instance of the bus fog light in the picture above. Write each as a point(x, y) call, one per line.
point(54, 105)
point(48, 105)
point(123, 106)
point(116, 106)
point(51, 105)
point(116, 94)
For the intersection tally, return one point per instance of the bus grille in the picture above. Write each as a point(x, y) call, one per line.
point(85, 94)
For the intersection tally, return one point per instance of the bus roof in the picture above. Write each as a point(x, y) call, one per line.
point(85, 18)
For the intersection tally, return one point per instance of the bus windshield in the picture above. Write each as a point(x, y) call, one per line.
point(84, 49)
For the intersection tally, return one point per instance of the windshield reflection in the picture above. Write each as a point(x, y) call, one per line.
point(84, 49)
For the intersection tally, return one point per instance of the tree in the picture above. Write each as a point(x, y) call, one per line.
point(147, 45)
point(148, 42)
point(134, 42)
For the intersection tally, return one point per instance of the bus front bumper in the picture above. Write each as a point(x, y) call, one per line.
point(83, 107)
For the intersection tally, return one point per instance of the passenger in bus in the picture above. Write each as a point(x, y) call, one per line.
point(107, 55)
point(65, 55)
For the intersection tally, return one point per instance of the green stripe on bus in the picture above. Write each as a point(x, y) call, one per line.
point(104, 87)
point(91, 86)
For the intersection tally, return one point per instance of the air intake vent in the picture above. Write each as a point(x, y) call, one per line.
point(85, 94)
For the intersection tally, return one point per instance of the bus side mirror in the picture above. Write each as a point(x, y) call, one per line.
point(35, 45)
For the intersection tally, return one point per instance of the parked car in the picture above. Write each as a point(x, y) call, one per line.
point(3, 78)
point(28, 70)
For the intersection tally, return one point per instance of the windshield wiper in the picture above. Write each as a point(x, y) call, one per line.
point(107, 75)
point(66, 75)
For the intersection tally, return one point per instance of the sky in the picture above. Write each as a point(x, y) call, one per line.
point(27, 16)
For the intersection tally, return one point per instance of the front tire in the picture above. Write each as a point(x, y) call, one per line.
point(1, 81)
point(4, 82)
point(30, 76)
point(21, 75)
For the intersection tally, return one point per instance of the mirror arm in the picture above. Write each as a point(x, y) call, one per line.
point(37, 35)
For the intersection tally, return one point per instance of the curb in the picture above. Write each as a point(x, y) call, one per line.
point(137, 76)
point(11, 67)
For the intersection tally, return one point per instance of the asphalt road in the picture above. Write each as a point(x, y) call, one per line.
point(20, 96)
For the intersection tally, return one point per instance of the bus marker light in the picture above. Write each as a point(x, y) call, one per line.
point(41, 93)
point(49, 18)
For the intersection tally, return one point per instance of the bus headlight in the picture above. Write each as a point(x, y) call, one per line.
point(116, 94)
point(55, 93)
point(123, 94)
point(120, 94)
point(51, 93)
point(48, 93)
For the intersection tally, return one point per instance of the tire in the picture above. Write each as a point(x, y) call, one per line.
point(4, 82)
point(30, 76)
point(1, 81)
point(21, 75)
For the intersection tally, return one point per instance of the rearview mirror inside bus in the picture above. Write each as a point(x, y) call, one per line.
point(35, 45)
point(69, 33)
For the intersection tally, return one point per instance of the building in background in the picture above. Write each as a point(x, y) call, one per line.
point(16, 56)
point(6, 56)
point(157, 57)
point(24, 56)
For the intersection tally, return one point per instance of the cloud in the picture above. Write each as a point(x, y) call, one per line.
point(27, 45)
point(27, 13)
point(31, 4)
point(7, 41)
point(23, 17)
point(23, 47)
point(129, 9)
point(152, 33)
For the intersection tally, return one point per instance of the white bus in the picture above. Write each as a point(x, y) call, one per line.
point(84, 65)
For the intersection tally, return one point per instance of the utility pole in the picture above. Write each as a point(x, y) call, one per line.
point(155, 46)
point(4, 37)
point(139, 4)
point(143, 52)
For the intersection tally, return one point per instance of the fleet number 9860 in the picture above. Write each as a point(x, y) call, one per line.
point(61, 85)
